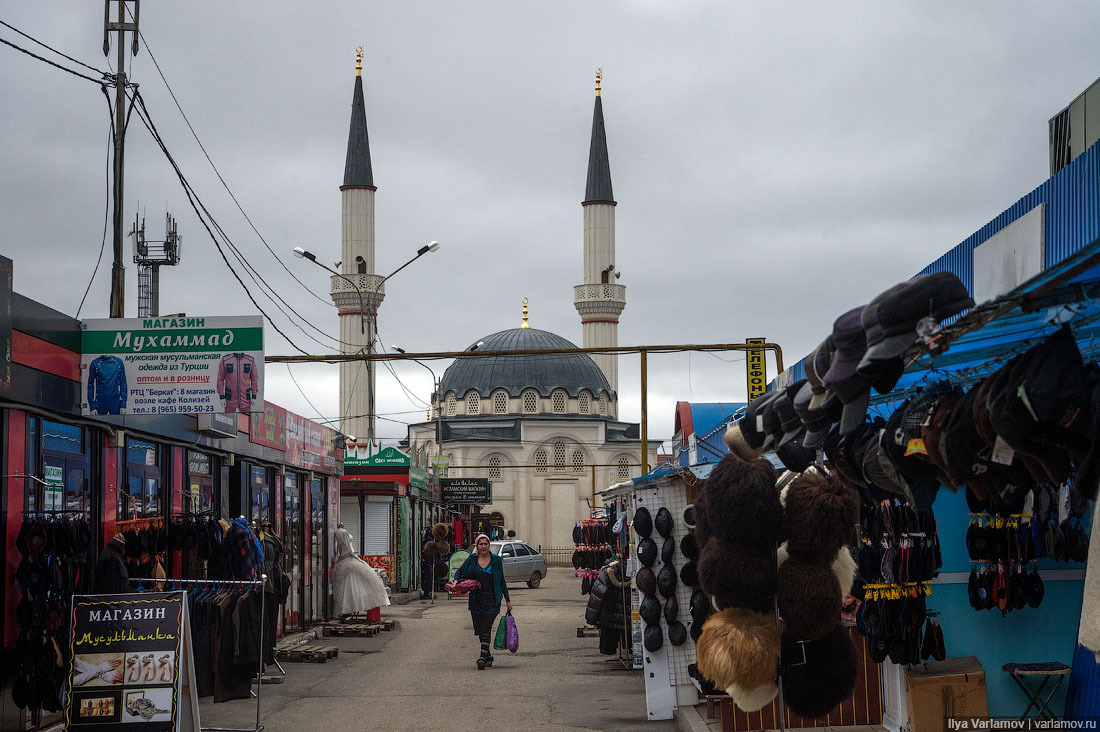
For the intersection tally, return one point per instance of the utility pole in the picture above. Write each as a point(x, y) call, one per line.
point(118, 271)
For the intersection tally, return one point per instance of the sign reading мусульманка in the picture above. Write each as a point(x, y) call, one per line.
point(967, 724)
point(131, 666)
point(467, 490)
point(172, 365)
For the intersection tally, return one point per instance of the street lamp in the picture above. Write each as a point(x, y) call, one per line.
point(438, 399)
point(303, 254)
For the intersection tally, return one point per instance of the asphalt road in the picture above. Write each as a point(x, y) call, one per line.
point(423, 676)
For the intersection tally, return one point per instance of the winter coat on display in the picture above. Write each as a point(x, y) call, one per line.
point(243, 553)
point(107, 385)
point(605, 606)
point(238, 382)
point(111, 575)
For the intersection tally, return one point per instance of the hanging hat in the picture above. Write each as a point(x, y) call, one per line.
point(647, 552)
point(668, 548)
point(430, 549)
point(702, 528)
point(663, 522)
point(751, 426)
point(689, 516)
point(650, 610)
point(700, 607)
point(820, 516)
point(439, 531)
point(737, 576)
point(643, 522)
point(666, 581)
point(689, 574)
point(646, 581)
point(809, 599)
point(754, 699)
point(677, 633)
point(827, 677)
point(739, 646)
point(844, 567)
point(689, 547)
point(742, 503)
point(671, 609)
point(653, 638)
point(1035, 589)
point(443, 548)
point(738, 445)
point(695, 629)
point(36, 540)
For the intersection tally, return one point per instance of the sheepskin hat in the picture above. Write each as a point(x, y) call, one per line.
point(844, 566)
point(689, 547)
point(702, 528)
point(819, 517)
point(809, 599)
point(439, 531)
point(430, 549)
point(814, 688)
point(739, 646)
point(735, 441)
point(737, 576)
point(754, 699)
point(742, 503)
point(689, 574)
point(443, 548)
point(646, 581)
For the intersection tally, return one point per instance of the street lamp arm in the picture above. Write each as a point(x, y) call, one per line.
point(419, 253)
point(304, 254)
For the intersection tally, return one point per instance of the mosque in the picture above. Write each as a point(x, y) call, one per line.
point(543, 428)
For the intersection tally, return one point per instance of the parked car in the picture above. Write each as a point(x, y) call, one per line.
point(522, 563)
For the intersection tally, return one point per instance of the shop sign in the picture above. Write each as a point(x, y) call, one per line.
point(379, 561)
point(132, 667)
point(172, 365)
point(309, 445)
point(358, 455)
point(223, 425)
point(269, 427)
point(54, 490)
point(418, 478)
point(756, 368)
point(467, 490)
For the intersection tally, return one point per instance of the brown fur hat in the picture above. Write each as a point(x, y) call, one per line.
point(740, 647)
point(430, 549)
point(844, 566)
point(742, 503)
point(814, 688)
point(820, 516)
point(809, 599)
point(443, 548)
point(754, 699)
point(737, 576)
point(439, 531)
point(702, 528)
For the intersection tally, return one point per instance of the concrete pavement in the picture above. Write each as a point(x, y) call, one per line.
point(423, 676)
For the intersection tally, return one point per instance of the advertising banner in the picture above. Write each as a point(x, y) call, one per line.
point(466, 490)
point(309, 444)
point(269, 426)
point(172, 365)
point(131, 666)
point(756, 368)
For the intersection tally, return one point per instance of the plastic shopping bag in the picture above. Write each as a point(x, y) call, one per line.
point(500, 642)
point(512, 634)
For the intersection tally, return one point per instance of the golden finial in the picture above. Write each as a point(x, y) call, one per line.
point(359, 61)
point(599, 75)
point(525, 323)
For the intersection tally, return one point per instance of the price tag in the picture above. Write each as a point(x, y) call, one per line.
point(1002, 452)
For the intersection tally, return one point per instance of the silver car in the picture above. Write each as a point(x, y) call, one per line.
point(522, 563)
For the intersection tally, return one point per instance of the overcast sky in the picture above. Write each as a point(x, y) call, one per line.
point(775, 164)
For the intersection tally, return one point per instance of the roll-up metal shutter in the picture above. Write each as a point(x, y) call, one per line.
point(376, 525)
point(352, 518)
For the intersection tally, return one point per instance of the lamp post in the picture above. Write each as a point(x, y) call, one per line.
point(303, 254)
point(438, 400)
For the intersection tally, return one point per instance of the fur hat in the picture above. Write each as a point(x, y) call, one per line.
point(430, 549)
point(702, 528)
point(742, 503)
point(809, 599)
point(814, 688)
point(646, 581)
point(689, 547)
point(754, 699)
point(443, 547)
point(689, 574)
point(740, 647)
point(737, 444)
point(737, 576)
point(820, 516)
point(439, 531)
point(844, 566)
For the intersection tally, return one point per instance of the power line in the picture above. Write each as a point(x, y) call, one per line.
point(59, 53)
point(52, 63)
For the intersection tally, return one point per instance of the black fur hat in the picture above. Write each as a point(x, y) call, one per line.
point(671, 609)
point(646, 581)
point(689, 547)
point(643, 522)
point(737, 576)
point(689, 574)
point(702, 528)
point(809, 599)
point(647, 552)
point(663, 522)
point(650, 610)
point(668, 548)
point(820, 515)
point(666, 581)
point(812, 689)
point(742, 503)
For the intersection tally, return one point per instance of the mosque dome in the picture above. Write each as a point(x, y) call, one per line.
point(571, 372)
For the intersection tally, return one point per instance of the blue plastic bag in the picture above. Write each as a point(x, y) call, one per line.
point(511, 633)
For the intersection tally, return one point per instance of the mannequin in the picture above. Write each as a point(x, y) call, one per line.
point(356, 586)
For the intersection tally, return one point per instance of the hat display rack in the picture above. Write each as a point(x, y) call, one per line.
point(591, 549)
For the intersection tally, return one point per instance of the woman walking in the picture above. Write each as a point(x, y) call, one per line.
point(487, 569)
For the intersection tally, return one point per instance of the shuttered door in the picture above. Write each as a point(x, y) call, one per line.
point(352, 519)
point(376, 526)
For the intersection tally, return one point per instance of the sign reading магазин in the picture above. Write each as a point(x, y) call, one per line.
point(467, 490)
point(172, 365)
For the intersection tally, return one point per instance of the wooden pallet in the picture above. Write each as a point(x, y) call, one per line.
point(587, 631)
point(308, 653)
point(355, 630)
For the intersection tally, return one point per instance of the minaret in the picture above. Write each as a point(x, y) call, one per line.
point(600, 299)
point(359, 295)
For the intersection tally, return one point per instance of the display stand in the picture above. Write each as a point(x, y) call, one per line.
point(251, 584)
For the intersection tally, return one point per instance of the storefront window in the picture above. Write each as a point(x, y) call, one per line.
point(199, 496)
point(58, 456)
point(260, 498)
point(143, 481)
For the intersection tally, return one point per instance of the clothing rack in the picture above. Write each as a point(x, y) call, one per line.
point(215, 584)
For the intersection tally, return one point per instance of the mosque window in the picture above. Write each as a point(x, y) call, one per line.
point(494, 467)
point(452, 405)
point(500, 402)
point(558, 401)
point(603, 404)
point(578, 461)
point(584, 403)
point(622, 472)
point(540, 460)
point(473, 403)
point(530, 402)
point(559, 455)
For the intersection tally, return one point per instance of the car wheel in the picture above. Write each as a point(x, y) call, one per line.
point(535, 581)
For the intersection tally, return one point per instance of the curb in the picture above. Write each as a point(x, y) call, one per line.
point(688, 719)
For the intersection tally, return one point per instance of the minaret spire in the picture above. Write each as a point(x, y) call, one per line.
point(357, 170)
point(599, 169)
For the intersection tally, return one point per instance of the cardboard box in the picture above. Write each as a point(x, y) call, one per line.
point(942, 689)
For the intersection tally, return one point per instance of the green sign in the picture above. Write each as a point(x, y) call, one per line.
point(54, 493)
point(389, 457)
point(418, 478)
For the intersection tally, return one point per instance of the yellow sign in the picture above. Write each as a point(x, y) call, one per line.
point(756, 368)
